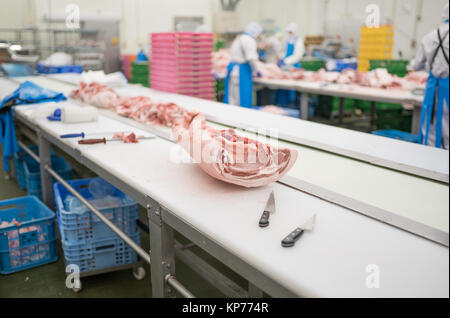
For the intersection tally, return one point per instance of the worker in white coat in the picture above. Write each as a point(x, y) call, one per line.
point(433, 56)
point(244, 61)
point(293, 54)
point(295, 47)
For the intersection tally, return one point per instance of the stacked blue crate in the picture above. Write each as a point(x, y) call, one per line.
point(32, 173)
point(27, 235)
point(87, 242)
point(19, 162)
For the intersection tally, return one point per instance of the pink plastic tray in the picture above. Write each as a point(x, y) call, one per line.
point(182, 68)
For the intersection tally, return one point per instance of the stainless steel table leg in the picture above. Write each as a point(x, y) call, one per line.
point(304, 106)
point(416, 120)
point(46, 178)
point(162, 253)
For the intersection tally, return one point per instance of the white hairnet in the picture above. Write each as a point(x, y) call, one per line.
point(292, 27)
point(254, 29)
point(445, 12)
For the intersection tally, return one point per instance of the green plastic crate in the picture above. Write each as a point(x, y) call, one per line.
point(329, 105)
point(312, 65)
point(219, 45)
point(395, 67)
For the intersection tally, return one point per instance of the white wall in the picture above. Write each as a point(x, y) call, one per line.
point(345, 17)
point(138, 17)
point(330, 17)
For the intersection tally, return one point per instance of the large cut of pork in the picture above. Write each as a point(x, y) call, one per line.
point(231, 158)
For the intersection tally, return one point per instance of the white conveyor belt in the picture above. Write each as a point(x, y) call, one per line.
point(331, 261)
point(421, 200)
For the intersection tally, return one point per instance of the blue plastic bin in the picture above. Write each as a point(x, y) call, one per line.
point(399, 135)
point(79, 228)
point(33, 174)
point(33, 242)
point(19, 159)
point(99, 254)
point(46, 69)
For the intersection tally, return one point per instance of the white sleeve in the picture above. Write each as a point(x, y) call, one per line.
point(419, 62)
point(298, 53)
point(250, 52)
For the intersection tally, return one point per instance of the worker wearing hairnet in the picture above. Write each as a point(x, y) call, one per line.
point(293, 54)
point(433, 56)
point(244, 58)
point(294, 47)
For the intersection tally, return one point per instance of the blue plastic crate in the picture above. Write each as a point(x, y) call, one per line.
point(399, 135)
point(33, 174)
point(99, 254)
point(78, 228)
point(47, 69)
point(18, 160)
point(33, 242)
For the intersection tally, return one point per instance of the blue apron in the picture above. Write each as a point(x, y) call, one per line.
point(285, 97)
point(436, 91)
point(245, 83)
point(27, 93)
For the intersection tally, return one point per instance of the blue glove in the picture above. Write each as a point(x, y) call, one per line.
point(259, 74)
point(281, 63)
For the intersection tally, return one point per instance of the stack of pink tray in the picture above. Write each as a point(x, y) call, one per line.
point(181, 63)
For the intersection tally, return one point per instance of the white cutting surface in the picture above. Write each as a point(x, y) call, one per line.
point(331, 261)
point(421, 200)
point(380, 148)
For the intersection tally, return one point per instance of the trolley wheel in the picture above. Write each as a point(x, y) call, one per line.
point(77, 289)
point(139, 273)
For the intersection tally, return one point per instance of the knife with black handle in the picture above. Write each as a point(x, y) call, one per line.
point(293, 237)
point(290, 240)
point(269, 209)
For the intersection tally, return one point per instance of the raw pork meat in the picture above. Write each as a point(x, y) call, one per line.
point(220, 61)
point(272, 71)
point(128, 139)
point(273, 110)
point(378, 78)
point(228, 157)
point(223, 154)
point(97, 95)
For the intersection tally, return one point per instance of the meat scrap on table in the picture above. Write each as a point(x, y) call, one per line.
point(222, 154)
point(378, 78)
point(131, 138)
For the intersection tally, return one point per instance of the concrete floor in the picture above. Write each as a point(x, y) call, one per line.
point(49, 280)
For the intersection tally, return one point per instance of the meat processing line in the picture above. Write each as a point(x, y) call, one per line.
point(346, 91)
point(379, 202)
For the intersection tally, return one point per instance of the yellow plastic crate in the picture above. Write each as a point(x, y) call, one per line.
point(366, 51)
point(375, 56)
point(363, 65)
point(382, 30)
point(379, 42)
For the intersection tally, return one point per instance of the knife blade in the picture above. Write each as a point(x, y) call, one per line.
point(269, 209)
point(293, 237)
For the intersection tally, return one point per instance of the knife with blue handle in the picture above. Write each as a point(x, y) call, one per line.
point(73, 135)
point(293, 237)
